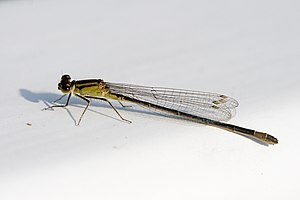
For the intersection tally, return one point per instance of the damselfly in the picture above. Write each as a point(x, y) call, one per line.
point(202, 107)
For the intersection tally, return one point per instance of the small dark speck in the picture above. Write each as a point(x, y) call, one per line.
point(28, 124)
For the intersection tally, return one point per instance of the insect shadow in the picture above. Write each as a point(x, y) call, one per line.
point(48, 99)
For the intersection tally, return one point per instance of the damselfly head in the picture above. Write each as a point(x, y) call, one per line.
point(65, 85)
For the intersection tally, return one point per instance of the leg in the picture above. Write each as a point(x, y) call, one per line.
point(59, 98)
point(103, 99)
point(124, 105)
point(67, 103)
point(88, 103)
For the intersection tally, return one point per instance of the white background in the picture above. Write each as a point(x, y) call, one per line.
point(249, 50)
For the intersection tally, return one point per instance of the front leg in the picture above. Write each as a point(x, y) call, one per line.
point(62, 106)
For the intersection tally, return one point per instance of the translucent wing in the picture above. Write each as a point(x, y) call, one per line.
point(203, 104)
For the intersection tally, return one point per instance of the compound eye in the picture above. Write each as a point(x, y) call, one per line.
point(66, 77)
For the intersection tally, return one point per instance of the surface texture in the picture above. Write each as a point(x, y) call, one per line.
point(246, 50)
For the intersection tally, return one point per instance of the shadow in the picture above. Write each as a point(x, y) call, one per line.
point(256, 140)
point(49, 98)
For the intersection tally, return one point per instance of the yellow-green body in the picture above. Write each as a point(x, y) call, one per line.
point(97, 89)
point(94, 87)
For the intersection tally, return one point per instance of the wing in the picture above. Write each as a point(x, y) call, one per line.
point(203, 104)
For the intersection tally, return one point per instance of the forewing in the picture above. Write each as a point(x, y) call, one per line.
point(203, 104)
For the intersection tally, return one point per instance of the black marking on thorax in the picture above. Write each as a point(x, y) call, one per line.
point(87, 83)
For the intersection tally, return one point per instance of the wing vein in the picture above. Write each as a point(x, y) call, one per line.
point(203, 104)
